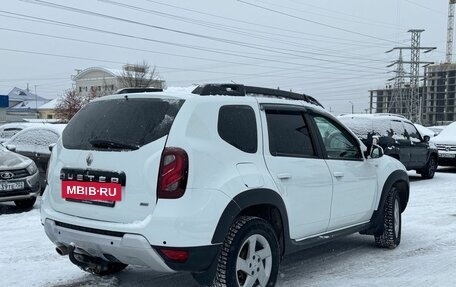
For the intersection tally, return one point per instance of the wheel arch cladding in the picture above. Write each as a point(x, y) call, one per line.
point(263, 203)
point(398, 179)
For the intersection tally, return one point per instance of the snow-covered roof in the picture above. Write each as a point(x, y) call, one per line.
point(50, 105)
point(36, 138)
point(17, 94)
point(29, 104)
point(112, 72)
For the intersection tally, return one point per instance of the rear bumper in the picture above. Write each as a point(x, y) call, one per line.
point(127, 248)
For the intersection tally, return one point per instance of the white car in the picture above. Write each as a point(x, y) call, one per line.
point(446, 144)
point(424, 131)
point(221, 182)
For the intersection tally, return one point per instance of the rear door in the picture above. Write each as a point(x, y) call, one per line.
point(117, 141)
point(302, 176)
point(402, 142)
point(418, 148)
point(354, 178)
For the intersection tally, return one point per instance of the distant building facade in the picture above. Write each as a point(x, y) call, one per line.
point(102, 81)
point(439, 100)
point(437, 94)
point(47, 111)
point(390, 100)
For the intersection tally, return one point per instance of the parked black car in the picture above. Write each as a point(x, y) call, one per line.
point(398, 137)
point(19, 179)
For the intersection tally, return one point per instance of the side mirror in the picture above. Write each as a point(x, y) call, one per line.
point(426, 138)
point(51, 146)
point(11, 147)
point(376, 152)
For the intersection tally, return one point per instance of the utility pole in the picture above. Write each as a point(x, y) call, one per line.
point(413, 98)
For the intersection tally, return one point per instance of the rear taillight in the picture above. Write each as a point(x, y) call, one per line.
point(172, 178)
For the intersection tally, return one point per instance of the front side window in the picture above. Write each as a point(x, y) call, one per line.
point(338, 143)
point(237, 126)
point(288, 134)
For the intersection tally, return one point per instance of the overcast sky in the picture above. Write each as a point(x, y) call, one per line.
point(333, 50)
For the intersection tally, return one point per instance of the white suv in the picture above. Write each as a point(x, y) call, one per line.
point(221, 182)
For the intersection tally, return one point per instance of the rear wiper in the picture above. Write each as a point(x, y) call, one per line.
point(109, 144)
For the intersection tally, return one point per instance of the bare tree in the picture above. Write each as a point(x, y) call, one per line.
point(69, 104)
point(140, 75)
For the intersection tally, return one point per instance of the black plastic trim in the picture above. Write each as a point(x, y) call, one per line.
point(324, 238)
point(241, 90)
point(376, 222)
point(88, 175)
point(200, 258)
point(247, 199)
point(137, 90)
point(90, 230)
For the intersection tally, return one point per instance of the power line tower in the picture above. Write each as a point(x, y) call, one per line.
point(450, 26)
point(395, 106)
point(412, 98)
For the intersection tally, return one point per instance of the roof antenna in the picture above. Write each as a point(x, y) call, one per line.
point(233, 82)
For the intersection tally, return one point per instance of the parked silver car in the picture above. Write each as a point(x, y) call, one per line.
point(19, 179)
point(34, 143)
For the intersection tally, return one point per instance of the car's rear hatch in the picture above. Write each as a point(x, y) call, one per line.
point(112, 145)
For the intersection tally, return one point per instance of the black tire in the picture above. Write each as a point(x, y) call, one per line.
point(237, 266)
point(430, 168)
point(25, 203)
point(392, 222)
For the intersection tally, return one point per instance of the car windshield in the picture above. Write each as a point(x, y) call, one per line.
point(120, 124)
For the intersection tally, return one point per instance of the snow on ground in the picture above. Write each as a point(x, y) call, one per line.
point(425, 257)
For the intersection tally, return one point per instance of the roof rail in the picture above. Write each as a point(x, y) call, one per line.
point(390, 114)
point(241, 90)
point(137, 90)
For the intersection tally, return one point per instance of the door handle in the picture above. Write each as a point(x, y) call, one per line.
point(338, 174)
point(284, 175)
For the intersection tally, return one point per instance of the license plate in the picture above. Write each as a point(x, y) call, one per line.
point(91, 191)
point(6, 186)
point(447, 155)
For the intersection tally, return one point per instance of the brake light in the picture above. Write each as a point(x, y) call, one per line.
point(172, 178)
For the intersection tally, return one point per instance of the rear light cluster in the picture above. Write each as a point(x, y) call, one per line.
point(172, 178)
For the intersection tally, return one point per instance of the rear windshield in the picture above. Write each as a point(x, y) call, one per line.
point(122, 124)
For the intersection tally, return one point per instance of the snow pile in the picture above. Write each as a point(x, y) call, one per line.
point(425, 257)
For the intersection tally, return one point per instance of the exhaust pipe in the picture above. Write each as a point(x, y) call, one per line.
point(62, 250)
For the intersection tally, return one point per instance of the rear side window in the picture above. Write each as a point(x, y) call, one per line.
point(397, 130)
point(9, 132)
point(237, 126)
point(412, 133)
point(121, 124)
point(288, 134)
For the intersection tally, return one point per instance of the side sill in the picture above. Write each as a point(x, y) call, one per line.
point(308, 242)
